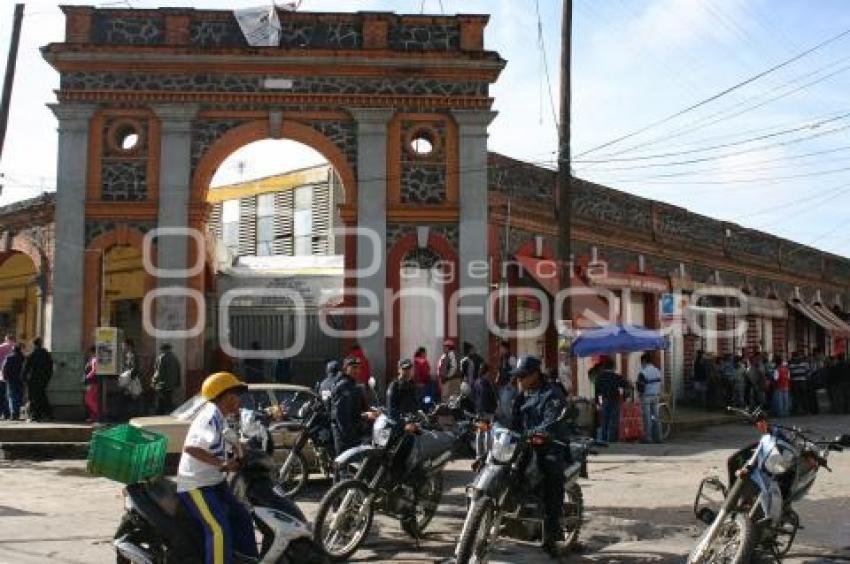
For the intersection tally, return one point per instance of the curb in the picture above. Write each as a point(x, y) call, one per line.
point(44, 451)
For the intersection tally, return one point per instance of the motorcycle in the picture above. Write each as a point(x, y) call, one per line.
point(157, 529)
point(505, 498)
point(765, 479)
point(399, 474)
point(316, 432)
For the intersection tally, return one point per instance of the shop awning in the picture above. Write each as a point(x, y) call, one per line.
point(615, 339)
point(843, 327)
point(818, 316)
point(767, 308)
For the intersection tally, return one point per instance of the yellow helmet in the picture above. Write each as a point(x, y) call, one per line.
point(216, 384)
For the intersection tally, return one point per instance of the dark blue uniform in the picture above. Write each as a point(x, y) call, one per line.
point(347, 405)
point(401, 399)
point(538, 411)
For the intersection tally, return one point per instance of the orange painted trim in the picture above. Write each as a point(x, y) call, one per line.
point(257, 130)
point(265, 98)
point(394, 159)
point(154, 156)
point(452, 163)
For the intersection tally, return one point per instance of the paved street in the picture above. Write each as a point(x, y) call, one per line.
point(639, 502)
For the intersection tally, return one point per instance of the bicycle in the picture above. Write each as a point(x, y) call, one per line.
point(665, 415)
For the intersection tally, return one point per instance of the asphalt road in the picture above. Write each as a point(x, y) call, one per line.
point(638, 500)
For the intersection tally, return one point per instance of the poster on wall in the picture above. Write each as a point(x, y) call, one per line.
point(106, 342)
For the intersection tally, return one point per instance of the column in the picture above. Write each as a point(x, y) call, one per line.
point(70, 229)
point(175, 182)
point(372, 214)
point(473, 198)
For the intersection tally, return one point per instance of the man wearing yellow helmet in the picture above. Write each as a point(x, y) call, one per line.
point(201, 482)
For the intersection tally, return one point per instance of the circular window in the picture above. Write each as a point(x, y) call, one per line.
point(422, 142)
point(125, 137)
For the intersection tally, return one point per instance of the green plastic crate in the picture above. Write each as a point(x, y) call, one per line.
point(127, 454)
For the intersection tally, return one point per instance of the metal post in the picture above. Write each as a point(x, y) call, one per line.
point(10, 72)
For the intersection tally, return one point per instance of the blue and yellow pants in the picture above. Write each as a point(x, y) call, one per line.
point(225, 522)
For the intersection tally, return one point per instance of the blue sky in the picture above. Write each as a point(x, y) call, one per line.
point(635, 63)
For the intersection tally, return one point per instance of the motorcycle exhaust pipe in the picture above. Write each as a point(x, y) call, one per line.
point(132, 552)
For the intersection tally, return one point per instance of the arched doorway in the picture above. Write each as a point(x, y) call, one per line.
point(275, 211)
point(422, 310)
point(19, 302)
point(123, 291)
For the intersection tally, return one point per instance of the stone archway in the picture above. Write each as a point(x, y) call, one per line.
point(174, 91)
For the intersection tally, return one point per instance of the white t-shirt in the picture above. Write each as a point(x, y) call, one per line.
point(653, 381)
point(206, 432)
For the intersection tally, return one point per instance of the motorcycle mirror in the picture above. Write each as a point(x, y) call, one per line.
point(427, 400)
point(372, 382)
point(843, 440)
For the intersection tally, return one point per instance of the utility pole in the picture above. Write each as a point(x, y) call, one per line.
point(564, 203)
point(10, 72)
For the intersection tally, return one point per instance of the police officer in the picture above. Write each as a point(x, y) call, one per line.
point(401, 394)
point(537, 410)
point(326, 386)
point(347, 405)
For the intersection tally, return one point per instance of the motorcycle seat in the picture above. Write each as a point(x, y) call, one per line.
point(434, 443)
point(164, 494)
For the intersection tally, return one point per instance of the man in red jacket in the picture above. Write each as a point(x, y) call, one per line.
point(365, 372)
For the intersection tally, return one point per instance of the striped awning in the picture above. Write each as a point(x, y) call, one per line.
point(822, 317)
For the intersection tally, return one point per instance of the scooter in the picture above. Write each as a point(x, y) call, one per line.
point(765, 479)
point(157, 529)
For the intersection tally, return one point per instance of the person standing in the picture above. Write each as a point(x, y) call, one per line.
point(448, 369)
point(6, 348)
point(347, 407)
point(92, 395)
point(13, 374)
point(166, 379)
point(782, 401)
point(650, 383)
point(132, 365)
point(507, 396)
point(38, 370)
point(401, 393)
point(755, 377)
point(507, 362)
point(484, 393)
point(700, 380)
point(422, 375)
point(741, 395)
point(365, 371)
point(470, 364)
point(610, 387)
point(800, 370)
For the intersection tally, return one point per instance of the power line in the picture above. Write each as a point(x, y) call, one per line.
point(737, 180)
point(541, 43)
point(720, 94)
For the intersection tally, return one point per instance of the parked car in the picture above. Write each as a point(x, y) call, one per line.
point(259, 396)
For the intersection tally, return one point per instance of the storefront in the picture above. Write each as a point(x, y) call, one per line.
point(815, 328)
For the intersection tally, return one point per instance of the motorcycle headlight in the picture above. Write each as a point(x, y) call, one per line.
point(778, 461)
point(503, 448)
point(381, 432)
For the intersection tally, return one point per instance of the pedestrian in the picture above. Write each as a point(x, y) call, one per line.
point(422, 379)
point(325, 388)
point(782, 400)
point(254, 366)
point(6, 348)
point(800, 371)
point(38, 370)
point(166, 379)
point(507, 396)
point(484, 393)
point(740, 382)
point(448, 369)
point(507, 362)
point(610, 387)
point(755, 377)
point(92, 395)
point(401, 393)
point(470, 364)
point(818, 365)
point(365, 371)
point(700, 380)
point(347, 406)
point(132, 366)
point(649, 385)
point(13, 374)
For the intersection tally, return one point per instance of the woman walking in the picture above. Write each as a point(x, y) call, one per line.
point(92, 397)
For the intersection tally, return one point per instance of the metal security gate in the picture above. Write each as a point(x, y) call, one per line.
point(274, 329)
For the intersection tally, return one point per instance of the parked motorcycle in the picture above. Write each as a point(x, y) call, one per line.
point(399, 474)
point(505, 497)
point(316, 433)
point(765, 479)
point(157, 529)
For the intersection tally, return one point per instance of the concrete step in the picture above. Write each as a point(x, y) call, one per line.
point(44, 451)
point(22, 432)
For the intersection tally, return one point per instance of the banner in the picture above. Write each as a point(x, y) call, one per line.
point(260, 26)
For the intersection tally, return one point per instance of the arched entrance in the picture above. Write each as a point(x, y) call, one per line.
point(19, 296)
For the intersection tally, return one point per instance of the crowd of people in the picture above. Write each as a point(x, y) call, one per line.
point(802, 385)
point(24, 377)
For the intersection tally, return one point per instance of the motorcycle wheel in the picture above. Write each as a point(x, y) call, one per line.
point(294, 480)
point(344, 519)
point(573, 516)
point(733, 544)
point(475, 538)
point(304, 551)
point(129, 526)
point(428, 499)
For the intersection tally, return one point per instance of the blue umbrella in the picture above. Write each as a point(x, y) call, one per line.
point(614, 339)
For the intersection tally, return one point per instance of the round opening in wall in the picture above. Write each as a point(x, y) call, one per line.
point(421, 145)
point(130, 141)
point(125, 137)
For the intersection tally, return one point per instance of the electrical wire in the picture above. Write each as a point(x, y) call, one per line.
point(718, 95)
point(541, 43)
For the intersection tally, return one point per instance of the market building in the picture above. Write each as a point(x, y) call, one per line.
point(144, 123)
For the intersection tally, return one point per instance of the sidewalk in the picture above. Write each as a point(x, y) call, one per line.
point(44, 441)
point(688, 418)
